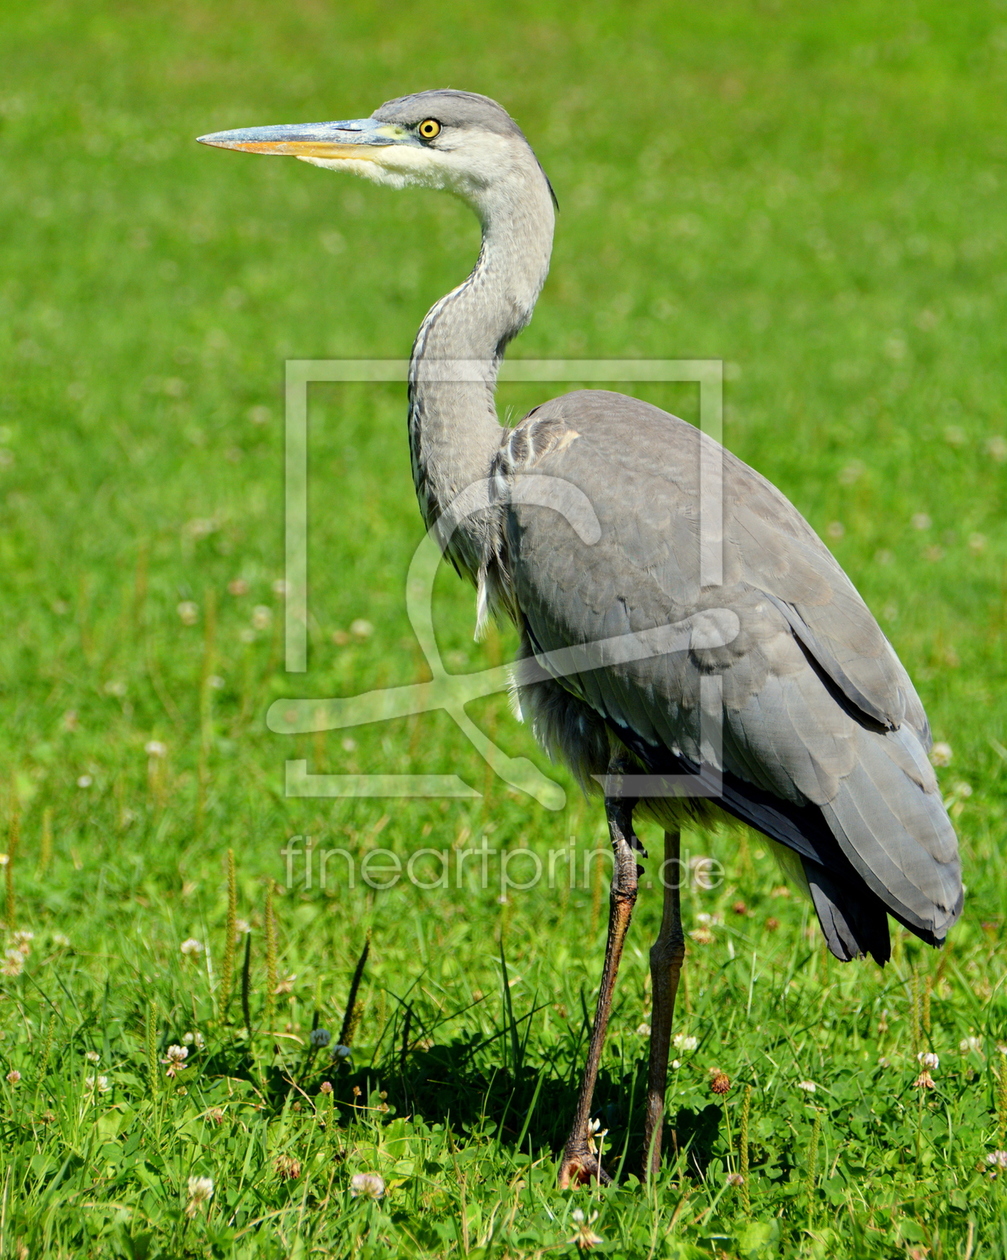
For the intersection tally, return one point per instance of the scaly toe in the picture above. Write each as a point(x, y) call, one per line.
point(580, 1168)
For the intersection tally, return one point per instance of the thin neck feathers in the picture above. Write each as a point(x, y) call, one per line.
point(454, 432)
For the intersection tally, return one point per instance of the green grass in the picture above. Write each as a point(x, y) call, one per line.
point(813, 194)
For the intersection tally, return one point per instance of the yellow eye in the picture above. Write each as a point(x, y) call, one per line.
point(429, 128)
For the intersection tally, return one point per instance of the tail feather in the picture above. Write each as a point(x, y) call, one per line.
point(853, 921)
point(898, 838)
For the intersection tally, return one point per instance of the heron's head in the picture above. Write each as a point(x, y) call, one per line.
point(458, 141)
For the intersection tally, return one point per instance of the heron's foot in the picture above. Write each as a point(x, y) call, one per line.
point(581, 1166)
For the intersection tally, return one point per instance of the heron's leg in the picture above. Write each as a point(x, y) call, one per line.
point(666, 957)
point(580, 1162)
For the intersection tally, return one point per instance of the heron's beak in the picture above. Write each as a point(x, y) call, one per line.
point(359, 139)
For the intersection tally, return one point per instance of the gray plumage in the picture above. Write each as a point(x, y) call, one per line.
point(824, 740)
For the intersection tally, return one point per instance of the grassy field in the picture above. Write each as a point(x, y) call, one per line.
point(813, 194)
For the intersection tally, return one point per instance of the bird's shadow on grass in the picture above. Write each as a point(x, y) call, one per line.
point(494, 1083)
point(524, 1106)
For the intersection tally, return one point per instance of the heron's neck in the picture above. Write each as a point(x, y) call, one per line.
point(454, 432)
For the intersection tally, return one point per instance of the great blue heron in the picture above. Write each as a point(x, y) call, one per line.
point(822, 738)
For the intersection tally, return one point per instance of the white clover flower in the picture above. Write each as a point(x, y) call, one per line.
point(188, 612)
point(154, 748)
point(941, 754)
point(596, 1135)
point(320, 1037)
point(683, 1042)
point(201, 527)
point(200, 1193)
point(241, 927)
point(997, 1158)
point(22, 941)
point(97, 1084)
point(174, 1060)
point(809, 1087)
point(287, 1167)
point(13, 963)
point(701, 875)
point(735, 1179)
point(367, 1186)
point(84, 780)
point(585, 1238)
point(194, 1039)
point(971, 1045)
point(851, 473)
point(92, 1056)
point(927, 1059)
point(13, 1076)
point(61, 940)
point(191, 946)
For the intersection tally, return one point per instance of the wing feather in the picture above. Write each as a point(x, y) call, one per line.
point(824, 737)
